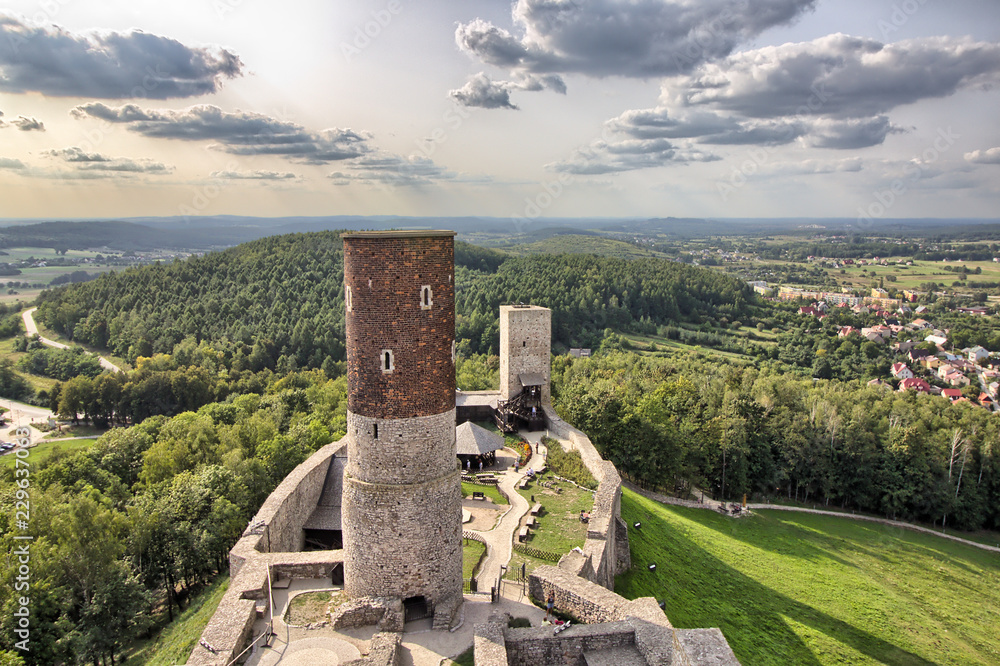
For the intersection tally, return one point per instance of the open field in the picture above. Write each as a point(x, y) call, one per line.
point(174, 644)
point(47, 332)
point(37, 382)
point(44, 450)
point(791, 588)
point(649, 344)
point(45, 274)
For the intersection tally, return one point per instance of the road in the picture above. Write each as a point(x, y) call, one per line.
point(20, 414)
point(29, 324)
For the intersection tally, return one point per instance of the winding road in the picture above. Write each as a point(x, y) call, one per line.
point(29, 324)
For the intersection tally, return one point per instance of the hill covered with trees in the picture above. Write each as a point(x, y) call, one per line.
point(278, 302)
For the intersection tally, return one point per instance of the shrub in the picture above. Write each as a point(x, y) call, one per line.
point(568, 465)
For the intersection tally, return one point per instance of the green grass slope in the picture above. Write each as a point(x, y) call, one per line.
point(174, 644)
point(794, 588)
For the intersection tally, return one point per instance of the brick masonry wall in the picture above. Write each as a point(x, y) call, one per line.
point(525, 347)
point(385, 272)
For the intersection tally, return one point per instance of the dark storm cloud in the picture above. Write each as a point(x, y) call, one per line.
point(239, 133)
point(633, 38)
point(107, 65)
point(838, 76)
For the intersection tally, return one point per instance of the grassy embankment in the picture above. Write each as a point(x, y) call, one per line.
point(173, 645)
point(795, 588)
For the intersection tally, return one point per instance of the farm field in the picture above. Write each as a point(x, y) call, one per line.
point(791, 588)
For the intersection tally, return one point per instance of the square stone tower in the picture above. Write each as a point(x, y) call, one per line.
point(525, 348)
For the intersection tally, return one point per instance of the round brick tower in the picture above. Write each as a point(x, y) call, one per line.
point(402, 497)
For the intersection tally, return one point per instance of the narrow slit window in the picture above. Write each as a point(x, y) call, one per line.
point(348, 298)
point(375, 430)
point(426, 297)
point(388, 362)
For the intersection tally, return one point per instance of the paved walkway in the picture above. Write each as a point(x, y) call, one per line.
point(29, 324)
point(499, 540)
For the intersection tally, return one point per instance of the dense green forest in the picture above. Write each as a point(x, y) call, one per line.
point(128, 529)
point(732, 429)
point(278, 302)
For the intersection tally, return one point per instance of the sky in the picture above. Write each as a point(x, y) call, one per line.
point(537, 108)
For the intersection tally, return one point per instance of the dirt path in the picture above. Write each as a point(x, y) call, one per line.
point(713, 506)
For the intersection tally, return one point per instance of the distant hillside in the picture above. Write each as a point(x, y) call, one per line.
point(281, 297)
point(582, 244)
point(124, 236)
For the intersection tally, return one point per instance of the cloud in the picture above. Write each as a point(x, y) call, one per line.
point(837, 76)
point(631, 38)
point(26, 124)
point(814, 167)
point(107, 65)
point(386, 168)
point(255, 174)
point(851, 134)
point(602, 157)
point(483, 92)
point(8, 163)
point(239, 133)
point(96, 162)
point(990, 156)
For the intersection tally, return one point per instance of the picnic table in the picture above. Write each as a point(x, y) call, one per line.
point(523, 534)
point(536, 508)
point(530, 522)
point(523, 484)
point(477, 495)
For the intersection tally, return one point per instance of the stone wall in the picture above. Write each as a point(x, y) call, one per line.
point(286, 509)
point(606, 546)
point(384, 612)
point(525, 344)
point(384, 650)
point(269, 549)
point(403, 540)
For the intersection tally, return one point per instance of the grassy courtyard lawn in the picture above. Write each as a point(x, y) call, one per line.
point(44, 451)
point(795, 588)
point(472, 552)
point(559, 529)
point(489, 491)
point(174, 644)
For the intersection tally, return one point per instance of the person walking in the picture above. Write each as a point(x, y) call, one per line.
point(550, 604)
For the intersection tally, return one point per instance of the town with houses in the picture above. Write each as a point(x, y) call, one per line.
point(969, 374)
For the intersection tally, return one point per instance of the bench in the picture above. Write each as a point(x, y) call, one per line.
point(476, 495)
point(530, 522)
point(536, 509)
point(523, 484)
point(523, 534)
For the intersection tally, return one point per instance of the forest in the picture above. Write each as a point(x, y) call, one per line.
point(239, 375)
point(277, 303)
point(673, 424)
point(130, 528)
